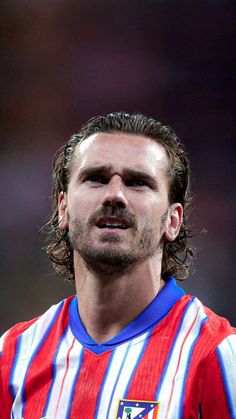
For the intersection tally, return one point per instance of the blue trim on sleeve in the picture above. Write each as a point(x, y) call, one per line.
point(150, 316)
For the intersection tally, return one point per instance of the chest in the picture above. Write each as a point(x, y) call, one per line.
point(147, 376)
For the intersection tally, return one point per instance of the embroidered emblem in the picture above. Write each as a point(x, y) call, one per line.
point(136, 409)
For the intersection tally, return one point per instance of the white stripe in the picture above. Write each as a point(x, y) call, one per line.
point(2, 338)
point(58, 406)
point(129, 365)
point(178, 363)
point(129, 354)
point(114, 368)
point(227, 350)
point(30, 339)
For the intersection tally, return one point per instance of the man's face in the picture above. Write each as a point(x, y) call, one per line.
point(116, 208)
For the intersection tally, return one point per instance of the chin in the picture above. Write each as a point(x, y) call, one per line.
point(109, 256)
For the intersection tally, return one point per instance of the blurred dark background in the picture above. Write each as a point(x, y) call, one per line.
point(66, 61)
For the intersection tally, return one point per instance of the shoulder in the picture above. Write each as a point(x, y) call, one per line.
point(215, 352)
point(216, 328)
point(205, 332)
point(212, 340)
point(224, 337)
point(31, 332)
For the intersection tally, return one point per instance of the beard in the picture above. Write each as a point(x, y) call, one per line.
point(113, 259)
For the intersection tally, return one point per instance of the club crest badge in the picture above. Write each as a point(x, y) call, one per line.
point(136, 409)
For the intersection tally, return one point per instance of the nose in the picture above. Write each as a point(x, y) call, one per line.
point(115, 194)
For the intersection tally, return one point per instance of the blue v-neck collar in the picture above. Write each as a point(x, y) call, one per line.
point(149, 317)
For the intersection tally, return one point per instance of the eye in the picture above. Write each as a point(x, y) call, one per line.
point(96, 179)
point(136, 182)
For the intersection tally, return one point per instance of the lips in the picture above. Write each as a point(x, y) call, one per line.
point(112, 223)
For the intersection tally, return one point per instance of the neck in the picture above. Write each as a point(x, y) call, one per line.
point(108, 303)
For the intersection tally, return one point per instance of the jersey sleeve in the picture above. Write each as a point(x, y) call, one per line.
point(219, 383)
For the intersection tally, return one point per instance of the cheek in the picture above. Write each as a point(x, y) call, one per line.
point(144, 212)
point(153, 212)
point(82, 203)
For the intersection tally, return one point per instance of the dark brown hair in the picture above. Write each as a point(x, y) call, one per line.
point(177, 255)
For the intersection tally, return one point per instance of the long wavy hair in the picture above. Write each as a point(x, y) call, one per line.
point(177, 255)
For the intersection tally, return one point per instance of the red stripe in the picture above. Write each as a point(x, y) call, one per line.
point(149, 371)
point(89, 383)
point(39, 375)
point(214, 400)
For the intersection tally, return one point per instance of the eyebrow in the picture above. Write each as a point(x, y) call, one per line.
point(140, 175)
point(107, 168)
point(88, 171)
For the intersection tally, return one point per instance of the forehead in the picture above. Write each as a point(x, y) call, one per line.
point(121, 150)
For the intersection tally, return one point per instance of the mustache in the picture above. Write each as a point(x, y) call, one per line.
point(112, 211)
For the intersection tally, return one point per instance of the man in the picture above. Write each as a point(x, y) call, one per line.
point(131, 344)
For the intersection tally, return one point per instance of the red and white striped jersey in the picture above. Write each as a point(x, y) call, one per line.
point(177, 359)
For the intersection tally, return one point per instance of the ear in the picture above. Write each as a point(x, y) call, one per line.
point(62, 211)
point(174, 221)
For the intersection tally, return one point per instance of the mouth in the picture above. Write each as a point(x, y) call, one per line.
point(112, 223)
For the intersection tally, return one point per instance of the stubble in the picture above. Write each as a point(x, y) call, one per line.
point(113, 259)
